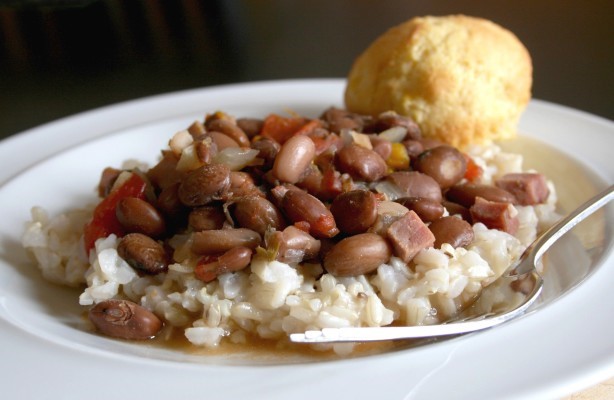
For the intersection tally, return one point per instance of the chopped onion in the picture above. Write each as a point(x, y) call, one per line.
point(395, 134)
point(346, 136)
point(235, 158)
point(362, 140)
point(391, 208)
point(391, 190)
point(180, 141)
point(181, 245)
point(350, 136)
point(121, 179)
point(189, 160)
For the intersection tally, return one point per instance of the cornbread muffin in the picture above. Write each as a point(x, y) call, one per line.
point(462, 79)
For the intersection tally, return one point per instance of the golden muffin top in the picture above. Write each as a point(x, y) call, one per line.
point(462, 79)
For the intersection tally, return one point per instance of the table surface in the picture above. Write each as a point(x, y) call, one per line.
point(603, 391)
point(59, 58)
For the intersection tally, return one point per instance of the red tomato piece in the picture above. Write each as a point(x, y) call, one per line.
point(308, 127)
point(104, 222)
point(206, 268)
point(473, 171)
point(281, 128)
point(331, 183)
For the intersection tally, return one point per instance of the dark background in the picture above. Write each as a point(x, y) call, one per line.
point(61, 57)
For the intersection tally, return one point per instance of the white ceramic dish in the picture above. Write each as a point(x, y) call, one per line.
point(563, 346)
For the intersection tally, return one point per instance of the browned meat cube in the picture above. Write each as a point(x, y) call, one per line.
point(528, 188)
point(408, 235)
point(495, 215)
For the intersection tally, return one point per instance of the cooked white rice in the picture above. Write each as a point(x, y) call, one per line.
point(272, 299)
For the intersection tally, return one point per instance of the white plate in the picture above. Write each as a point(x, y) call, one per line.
point(564, 346)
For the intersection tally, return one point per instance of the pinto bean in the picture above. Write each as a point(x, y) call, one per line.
point(427, 209)
point(233, 260)
point(267, 150)
point(206, 218)
point(165, 174)
point(143, 253)
point(168, 201)
point(452, 230)
point(389, 119)
point(251, 126)
point(361, 163)
point(339, 119)
point(242, 184)
point(230, 129)
point(354, 211)
point(107, 179)
point(293, 245)
point(356, 255)
point(221, 240)
point(382, 147)
point(205, 150)
point(137, 215)
point(429, 143)
point(299, 205)
point(221, 140)
point(293, 158)
point(124, 319)
point(311, 181)
point(257, 213)
point(204, 184)
point(465, 194)
point(457, 209)
point(444, 163)
point(277, 193)
point(325, 184)
point(413, 148)
point(416, 184)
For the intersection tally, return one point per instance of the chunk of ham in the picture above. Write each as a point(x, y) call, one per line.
point(528, 188)
point(495, 215)
point(408, 235)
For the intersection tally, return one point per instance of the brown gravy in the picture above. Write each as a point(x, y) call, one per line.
point(172, 338)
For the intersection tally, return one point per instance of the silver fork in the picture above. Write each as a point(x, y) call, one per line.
point(521, 278)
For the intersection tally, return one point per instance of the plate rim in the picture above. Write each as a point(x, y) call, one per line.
point(27, 137)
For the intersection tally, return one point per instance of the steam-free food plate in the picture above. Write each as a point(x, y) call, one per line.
point(563, 345)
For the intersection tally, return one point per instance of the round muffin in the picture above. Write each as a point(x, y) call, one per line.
point(462, 79)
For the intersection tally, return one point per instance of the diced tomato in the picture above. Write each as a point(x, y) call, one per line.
point(281, 128)
point(104, 222)
point(473, 171)
point(309, 127)
point(325, 143)
point(331, 183)
point(206, 268)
